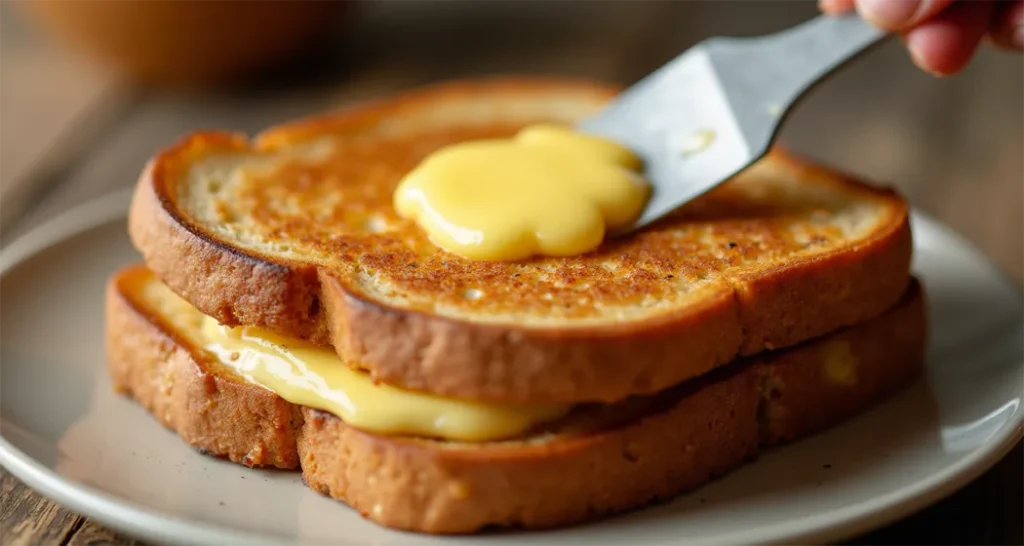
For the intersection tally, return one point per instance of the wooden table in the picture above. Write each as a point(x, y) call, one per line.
point(953, 147)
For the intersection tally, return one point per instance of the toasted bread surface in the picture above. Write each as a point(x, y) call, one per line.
point(295, 232)
point(598, 460)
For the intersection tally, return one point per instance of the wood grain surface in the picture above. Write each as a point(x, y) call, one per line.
point(954, 147)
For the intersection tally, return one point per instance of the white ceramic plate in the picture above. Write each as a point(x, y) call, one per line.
point(65, 433)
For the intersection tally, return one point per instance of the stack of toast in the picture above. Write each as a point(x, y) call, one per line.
point(777, 305)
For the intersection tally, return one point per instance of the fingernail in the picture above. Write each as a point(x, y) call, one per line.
point(889, 14)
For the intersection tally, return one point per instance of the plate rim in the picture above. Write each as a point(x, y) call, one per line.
point(149, 524)
point(117, 512)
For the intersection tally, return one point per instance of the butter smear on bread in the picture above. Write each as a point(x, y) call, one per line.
point(309, 375)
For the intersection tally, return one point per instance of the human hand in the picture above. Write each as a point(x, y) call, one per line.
point(942, 35)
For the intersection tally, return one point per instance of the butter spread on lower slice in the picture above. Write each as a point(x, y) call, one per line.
point(309, 375)
point(839, 363)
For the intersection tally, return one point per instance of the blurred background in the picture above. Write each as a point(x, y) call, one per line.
point(90, 89)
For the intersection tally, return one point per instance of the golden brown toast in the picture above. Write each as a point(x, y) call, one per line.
point(597, 460)
point(295, 232)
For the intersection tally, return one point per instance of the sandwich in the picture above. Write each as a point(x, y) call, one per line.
point(285, 315)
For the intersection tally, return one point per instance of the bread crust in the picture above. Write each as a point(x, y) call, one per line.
point(222, 415)
point(775, 307)
point(226, 283)
point(711, 425)
point(781, 307)
point(423, 486)
point(800, 392)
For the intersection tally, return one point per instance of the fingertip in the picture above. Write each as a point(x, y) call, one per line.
point(940, 50)
point(944, 45)
point(1012, 40)
point(937, 66)
point(1008, 26)
point(1016, 40)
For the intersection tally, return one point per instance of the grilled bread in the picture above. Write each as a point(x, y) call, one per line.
point(294, 232)
point(596, 460)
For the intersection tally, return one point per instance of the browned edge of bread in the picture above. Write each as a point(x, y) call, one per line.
point(446, 487)
point(502, 362)
point(175, 381)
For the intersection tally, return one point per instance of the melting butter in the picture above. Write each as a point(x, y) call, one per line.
point(313, 376)
point(549, 190)
point(839, 363)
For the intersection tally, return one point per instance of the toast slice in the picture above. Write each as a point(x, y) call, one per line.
point(597, 460)
point(294, 232)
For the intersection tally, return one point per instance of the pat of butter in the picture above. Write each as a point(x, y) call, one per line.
point(840, 364)
point(313, 376)
point(549, 190)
